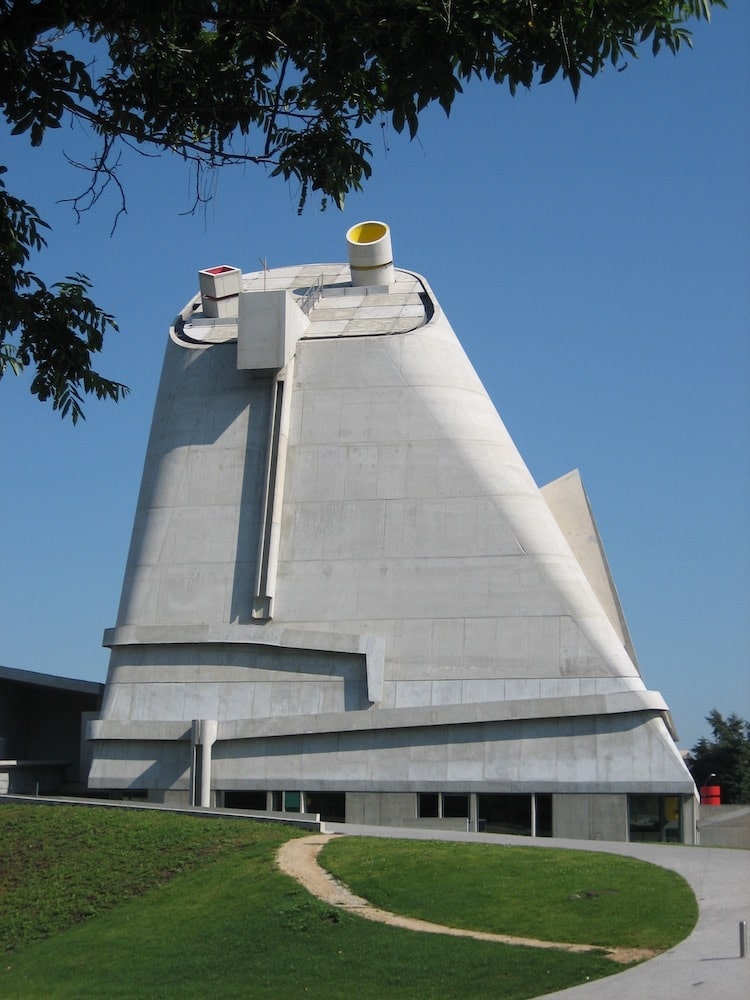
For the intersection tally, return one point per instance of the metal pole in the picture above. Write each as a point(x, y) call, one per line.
point(743, 938)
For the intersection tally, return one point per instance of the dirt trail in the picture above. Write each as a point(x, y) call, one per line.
point(299, 859)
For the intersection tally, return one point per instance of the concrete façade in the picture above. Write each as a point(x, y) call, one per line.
point(345, 592)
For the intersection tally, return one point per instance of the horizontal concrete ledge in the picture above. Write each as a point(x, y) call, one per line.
point(712, 815)
point(627, 702)
point(462, 785)
point(7, 764)
point(372, 647)
point(108, 729)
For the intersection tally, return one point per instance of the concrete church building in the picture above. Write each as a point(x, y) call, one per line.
point(346, 595)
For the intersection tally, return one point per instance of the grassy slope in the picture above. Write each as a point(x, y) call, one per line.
point(220, 921)
point(61, 865)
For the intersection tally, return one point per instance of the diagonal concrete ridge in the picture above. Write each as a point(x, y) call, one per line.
point(299, 859)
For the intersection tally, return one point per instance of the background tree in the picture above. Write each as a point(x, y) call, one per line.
point(726, 755)
point(289, 86)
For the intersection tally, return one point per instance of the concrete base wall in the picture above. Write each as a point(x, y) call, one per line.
point(169, 796)
point(690, 809)
point(390, 809)
point(590, 817)
point(724, 826)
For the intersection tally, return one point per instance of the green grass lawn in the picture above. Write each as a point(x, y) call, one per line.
point(555, 895)
point(101, 903)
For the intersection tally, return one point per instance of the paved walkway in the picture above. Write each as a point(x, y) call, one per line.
point(705, 966)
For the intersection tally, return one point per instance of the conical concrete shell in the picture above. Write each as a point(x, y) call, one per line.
point(345, 562)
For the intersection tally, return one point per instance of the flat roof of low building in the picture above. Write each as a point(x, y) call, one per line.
point(71, 684)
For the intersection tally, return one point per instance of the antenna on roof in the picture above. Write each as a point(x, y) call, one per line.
point(264, 262)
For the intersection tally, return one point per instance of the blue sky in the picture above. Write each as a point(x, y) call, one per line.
point(593, 258)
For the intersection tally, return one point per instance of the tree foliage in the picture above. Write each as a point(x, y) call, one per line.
point(725, 758)
point(56, 329)
point(286, 84)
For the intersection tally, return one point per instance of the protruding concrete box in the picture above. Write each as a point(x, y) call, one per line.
point(268, 327)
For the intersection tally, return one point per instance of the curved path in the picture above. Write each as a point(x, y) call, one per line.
point(705, 966)
point(299, 859)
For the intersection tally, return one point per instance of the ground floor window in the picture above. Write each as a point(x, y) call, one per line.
point(292, 802)
point(255, 801)
point(455, 806)
point(330, 805)
point(522, 815)
point(543, 805)
point(428, 805)
point(442, 805)
point(527, 815)
point(655, 818)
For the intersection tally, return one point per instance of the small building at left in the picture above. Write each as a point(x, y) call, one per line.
point(42, 718)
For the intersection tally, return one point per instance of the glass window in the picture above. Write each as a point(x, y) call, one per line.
point(543, 814)
point(455, 806)
point(655, 818)
point(672, 819)
point(428, 805)
point(330, 805)
point(292, 802)
point(245, 800)
point(644, 817)
point(505, 814)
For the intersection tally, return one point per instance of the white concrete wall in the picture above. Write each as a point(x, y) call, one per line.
point(410, 512)
point(194, 544)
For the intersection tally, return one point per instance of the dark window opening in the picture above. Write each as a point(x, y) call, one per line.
point(245, 800)
point(543, 815)
point(455, 806)
point(505, 814)
point(515, 814)
point(330, 805)
point(428, 805)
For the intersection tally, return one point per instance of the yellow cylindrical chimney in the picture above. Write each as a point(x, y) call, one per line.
point(370, 254)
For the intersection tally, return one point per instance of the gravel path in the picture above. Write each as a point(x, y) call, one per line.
point(299, 859)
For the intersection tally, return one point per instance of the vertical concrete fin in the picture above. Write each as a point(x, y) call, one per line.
point(566, 497)
point(270, 536)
